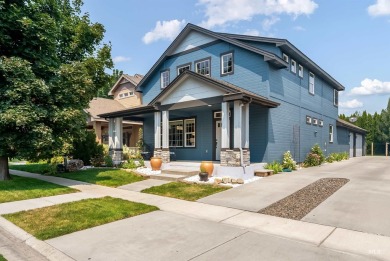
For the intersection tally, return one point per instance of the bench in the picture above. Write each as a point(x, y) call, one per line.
point(263, 172)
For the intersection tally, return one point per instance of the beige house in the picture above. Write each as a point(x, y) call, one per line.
point(125, 97)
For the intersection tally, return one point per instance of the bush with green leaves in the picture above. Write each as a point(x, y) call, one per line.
point(130, 164)
point(275, 166)
point(317, 150)
point(108, 162)
point(337, 157)
point(86, 148)
point(288, 161)
point(315, 157)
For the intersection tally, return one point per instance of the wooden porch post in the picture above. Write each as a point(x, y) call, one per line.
point(225, 137)
point(237, 124)
point(157, 130)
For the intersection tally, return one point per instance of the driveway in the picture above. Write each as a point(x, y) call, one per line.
point(361, 205)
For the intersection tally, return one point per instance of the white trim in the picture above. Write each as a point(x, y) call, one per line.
point(285, 58)
point(223, 66)
point(331, 131)
point(203, 61)
point(293, 66)
point(164, 80)
point(191, 132)
point(181, 67)
point(311, 83)
point(308, 119)
point(334, 97)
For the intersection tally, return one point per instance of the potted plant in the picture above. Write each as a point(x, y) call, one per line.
point(208, 167)
point(203, 174)
point(155, 163)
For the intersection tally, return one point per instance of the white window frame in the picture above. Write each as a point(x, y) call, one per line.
point(193, 133)
point(331, 131)
point(164, 79)
point(308, 120)
point(293, 66)
point(187, 66)
point(227, 64)
point(321, 123)
point(311, 83)
point(300, 71)
point(335, 94)
point(208, 60)
point(315, 121)
point(176, 138)
point(285, 58)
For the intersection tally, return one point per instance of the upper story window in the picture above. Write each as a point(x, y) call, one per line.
point(227, 63)
point(311, 83)
point(126, 94)
point(335, 98)
point(164, 79)
point(293, 66)
point(300, 71)
point(330, 133)
point(183, 68)
point(203, 67)
point(285, 58)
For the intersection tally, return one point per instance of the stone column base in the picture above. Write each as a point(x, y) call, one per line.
point(164, 154)
point(232, 158)
point(116, 155)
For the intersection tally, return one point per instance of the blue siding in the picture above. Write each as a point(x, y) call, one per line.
point(258, 133)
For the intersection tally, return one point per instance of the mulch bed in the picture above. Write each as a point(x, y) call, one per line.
point(300, 203)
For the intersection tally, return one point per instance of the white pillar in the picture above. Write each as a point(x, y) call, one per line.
point(237, 124)
point(118, 137)
point(157, 130)
point(111, 131)
point(165, 129)
point(225, 136)
point(245, 126)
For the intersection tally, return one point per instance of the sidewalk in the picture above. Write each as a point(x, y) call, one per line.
point(315, 235)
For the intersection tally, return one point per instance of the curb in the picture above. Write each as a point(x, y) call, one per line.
point(51, 253)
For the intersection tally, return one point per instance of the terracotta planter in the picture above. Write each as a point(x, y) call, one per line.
point(207, 166)
point(155, 163)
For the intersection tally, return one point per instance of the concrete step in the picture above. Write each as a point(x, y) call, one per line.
point(168, 177)
point(181, 171)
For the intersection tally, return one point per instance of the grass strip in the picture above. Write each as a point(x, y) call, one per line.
point(181, 190)
point(21, 188)
point(49, 222)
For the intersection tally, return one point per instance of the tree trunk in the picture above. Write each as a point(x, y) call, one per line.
point(4, 171)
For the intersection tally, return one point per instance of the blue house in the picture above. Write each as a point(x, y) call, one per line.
point(236, 99)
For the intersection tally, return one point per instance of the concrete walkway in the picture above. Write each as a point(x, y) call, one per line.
point(185, 230)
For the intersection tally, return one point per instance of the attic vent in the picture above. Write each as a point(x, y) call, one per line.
point(218, 114)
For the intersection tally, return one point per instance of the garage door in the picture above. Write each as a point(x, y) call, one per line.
point(359, 145)
point(350, 144)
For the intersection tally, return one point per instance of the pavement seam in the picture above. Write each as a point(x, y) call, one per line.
point(322, 241)
point(192, 258)
point(221, 221)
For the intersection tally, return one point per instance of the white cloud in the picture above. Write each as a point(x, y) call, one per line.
point(369, 87)
point(381, 7)
point(220, 12)
point(269, 22)
point(252, 32)
point(119, 59)
point(299, 28)
point(352, 104)
point(164, 30)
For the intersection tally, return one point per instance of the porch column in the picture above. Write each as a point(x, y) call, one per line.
point(97, 126)
point(115, 132)
point(245, 134)
point(225, 134)
point(165, 137)
point(237, 124)
point(157, 134)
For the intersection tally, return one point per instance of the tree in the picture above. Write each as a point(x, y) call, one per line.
point(52, 63)
point(103, 92)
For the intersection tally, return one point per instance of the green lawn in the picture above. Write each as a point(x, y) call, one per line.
point(103, 176)
point(20, 188)
point(58, 220)
point(184, 191)
point(2, 258)
point(39, 168)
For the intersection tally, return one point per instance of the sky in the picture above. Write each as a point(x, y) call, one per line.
point(350, 39)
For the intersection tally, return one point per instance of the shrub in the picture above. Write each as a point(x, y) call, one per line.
point(312, 159)
point(317, 150)
point(86, 148)
point(130, 164)
point(331, 158)
point(275, 166)
point(108, 161)
point(288, 161)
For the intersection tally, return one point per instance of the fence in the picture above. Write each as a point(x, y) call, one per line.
point(378, 149)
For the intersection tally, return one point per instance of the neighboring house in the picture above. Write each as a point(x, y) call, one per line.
point(125, 96)
point(236, 99)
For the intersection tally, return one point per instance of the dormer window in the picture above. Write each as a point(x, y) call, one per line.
point(164, 79)
point(126, 94)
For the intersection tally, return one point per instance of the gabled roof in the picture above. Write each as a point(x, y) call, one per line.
point(288, 47)
point(268, 56)
point(229, 88)
point(350, 126)
point(132, 79)
point(101, 105)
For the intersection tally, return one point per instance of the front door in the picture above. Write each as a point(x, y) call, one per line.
point(218, 133)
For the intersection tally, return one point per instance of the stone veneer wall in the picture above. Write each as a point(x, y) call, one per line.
point(163, 154)
point(116, 155)
point(232, 158)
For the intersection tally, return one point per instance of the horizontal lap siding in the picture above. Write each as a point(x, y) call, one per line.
point(258, 133)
